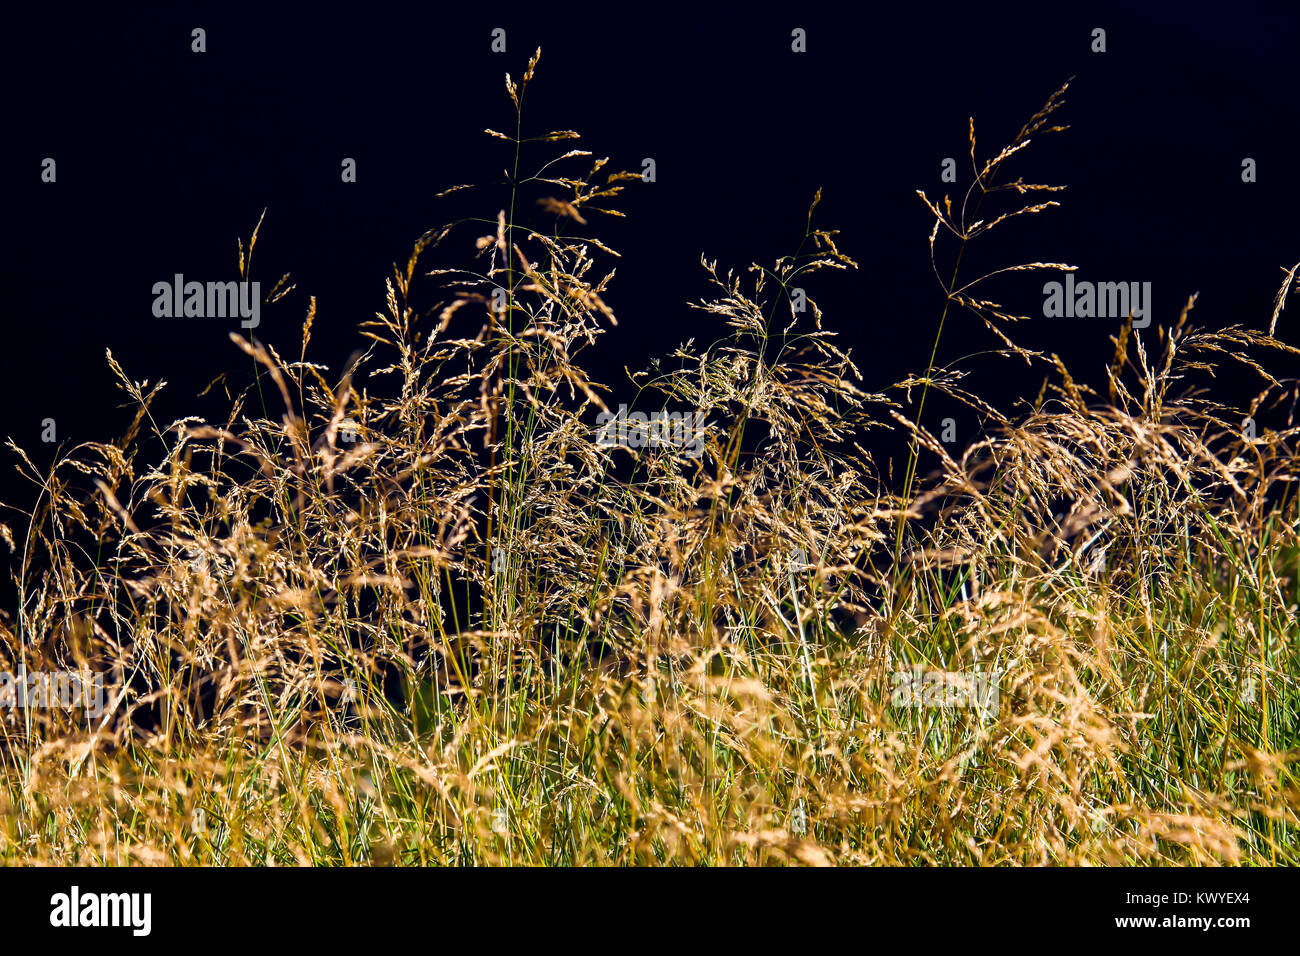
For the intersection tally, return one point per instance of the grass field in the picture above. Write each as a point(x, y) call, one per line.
point(420, 611)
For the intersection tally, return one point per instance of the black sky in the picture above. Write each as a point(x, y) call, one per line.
point(166, 156)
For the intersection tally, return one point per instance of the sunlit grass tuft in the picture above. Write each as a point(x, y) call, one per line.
point(413, 612)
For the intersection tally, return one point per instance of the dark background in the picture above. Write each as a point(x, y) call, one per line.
point(165, 157)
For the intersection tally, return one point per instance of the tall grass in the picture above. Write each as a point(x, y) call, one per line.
point(475, 634)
